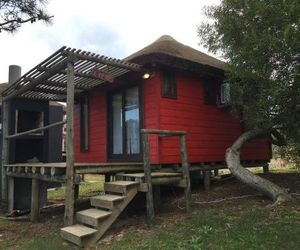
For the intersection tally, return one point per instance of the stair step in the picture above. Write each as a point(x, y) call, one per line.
point(91, 216)
point(106, 201)
point(119, 186)
point(77, 234)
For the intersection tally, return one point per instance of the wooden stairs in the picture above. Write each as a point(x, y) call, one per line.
point(94, 222)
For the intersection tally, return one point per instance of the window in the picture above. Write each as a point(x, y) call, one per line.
point(84, 122)
point(168, 85)
point(125, 124)
point(28, 120)
point(225, 93)
point(209, 92)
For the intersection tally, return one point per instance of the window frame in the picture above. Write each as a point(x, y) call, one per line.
point(168, 77)
point(84, 122)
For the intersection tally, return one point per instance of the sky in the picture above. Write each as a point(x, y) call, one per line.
point(114, 28)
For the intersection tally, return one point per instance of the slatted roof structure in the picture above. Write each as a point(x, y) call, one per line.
point(48, 80)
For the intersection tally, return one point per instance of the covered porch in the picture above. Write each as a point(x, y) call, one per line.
point(61, 77)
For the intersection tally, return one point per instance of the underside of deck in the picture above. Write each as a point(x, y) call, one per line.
point(56, 171)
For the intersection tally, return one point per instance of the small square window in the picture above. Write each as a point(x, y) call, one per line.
point(168, 85)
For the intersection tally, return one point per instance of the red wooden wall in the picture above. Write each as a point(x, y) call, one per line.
point(97, 130)
point(210, 130)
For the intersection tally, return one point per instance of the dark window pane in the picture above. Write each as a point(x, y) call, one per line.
point(84, 122)
point(209, 92)
point(117, 119)
point(168, 85)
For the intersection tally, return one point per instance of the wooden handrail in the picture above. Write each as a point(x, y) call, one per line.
point(35, 130)
point(147, 166)
point(163, 132)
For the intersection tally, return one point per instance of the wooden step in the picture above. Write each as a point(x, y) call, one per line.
point(119, 186)
point(77, 234)
point(107, 201)
point(92, 216)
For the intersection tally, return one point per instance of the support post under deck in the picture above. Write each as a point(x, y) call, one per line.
point(35, 200)
point(11, 193)
point(185, 172)
point(5, 151)
point(69, 192)
point(147, 172)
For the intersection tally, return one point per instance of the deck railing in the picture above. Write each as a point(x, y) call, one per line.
point(147, 166)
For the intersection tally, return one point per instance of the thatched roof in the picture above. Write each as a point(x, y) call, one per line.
point(167, 45)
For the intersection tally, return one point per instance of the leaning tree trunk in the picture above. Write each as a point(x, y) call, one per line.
point(276, 193)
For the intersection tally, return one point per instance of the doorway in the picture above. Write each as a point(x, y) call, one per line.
point(124, 125)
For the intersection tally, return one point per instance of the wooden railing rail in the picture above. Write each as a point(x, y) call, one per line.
point(147, 166)
point(36, 130)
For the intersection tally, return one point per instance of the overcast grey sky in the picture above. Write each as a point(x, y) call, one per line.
point(115, 28)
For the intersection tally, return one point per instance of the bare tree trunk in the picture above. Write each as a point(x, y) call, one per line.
point(276, 193)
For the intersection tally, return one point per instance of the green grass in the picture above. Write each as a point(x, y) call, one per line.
point(92, 185)
point(51, 242)
point(214, 229)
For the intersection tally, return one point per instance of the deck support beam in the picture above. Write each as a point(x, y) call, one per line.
point(156, 196)
point(69, 192)
point(11, 193)
point(206, 180)
point(5, 150)
point(35, 200)
point(185, 172)
point(266, 168)
point(147, 172)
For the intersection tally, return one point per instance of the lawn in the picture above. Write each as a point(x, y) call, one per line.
point(252, 228)
point(233, 224)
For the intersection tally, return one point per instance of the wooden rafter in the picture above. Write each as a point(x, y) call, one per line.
point(48, 80)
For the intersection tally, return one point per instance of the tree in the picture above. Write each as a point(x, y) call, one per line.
point(13, 13)
point(260, 41)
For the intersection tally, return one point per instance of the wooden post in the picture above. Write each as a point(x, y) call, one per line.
point(35, 200)
point(216, 172)
point(76, 192)
point(185, 172)
point(107, 178)
point(11, 193)
point(206, 180)
point(266, 168)
point(5, 150)
point(156, 194)
point(147, 172)
point(69, 193)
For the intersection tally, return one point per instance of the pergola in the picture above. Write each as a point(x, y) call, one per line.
point(58, 78)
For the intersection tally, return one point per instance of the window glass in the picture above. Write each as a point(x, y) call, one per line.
point(168, 85)
point(84, 122)
point(132, 120)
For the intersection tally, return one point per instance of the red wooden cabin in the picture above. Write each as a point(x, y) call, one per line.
point(182, 92)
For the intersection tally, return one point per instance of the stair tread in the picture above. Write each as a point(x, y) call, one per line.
point(122, 183)
point(79, 230)
point(108, 197)
point(94, 213)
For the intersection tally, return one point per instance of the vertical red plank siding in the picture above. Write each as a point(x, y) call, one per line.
point(97, 130)
point(210, 130)
point(151, 97)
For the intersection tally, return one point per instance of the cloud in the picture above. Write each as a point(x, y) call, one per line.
point(113, 28)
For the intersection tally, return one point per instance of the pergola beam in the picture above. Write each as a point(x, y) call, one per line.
point(36, 81)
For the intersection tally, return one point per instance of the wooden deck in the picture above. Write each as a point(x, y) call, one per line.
point(57, 171)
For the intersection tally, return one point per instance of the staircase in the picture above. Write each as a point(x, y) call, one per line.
point(94, 222)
